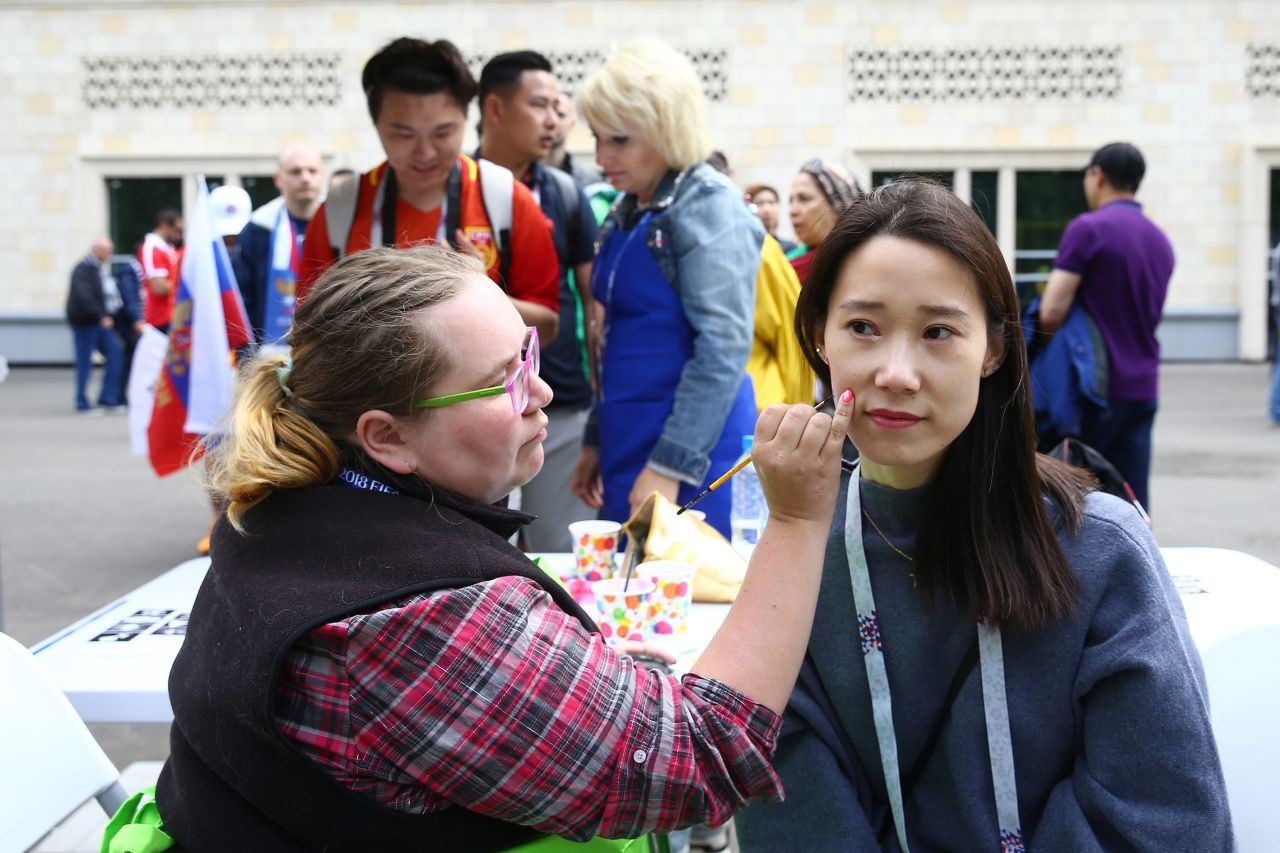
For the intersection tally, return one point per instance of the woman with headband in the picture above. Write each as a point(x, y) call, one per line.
point(819, 194)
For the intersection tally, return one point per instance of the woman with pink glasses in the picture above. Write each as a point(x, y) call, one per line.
point(369, 663)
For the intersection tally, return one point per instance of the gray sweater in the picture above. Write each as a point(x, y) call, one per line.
point(1108, 710)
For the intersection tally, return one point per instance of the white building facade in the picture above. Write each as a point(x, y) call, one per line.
point(113, 107)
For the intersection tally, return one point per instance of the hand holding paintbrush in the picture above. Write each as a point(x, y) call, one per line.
point(724, 478)
point(798, 454)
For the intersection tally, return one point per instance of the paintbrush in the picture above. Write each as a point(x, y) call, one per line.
point(631, 567)
point(742, 463)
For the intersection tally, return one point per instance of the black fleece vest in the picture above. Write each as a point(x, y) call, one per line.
point(314, 556)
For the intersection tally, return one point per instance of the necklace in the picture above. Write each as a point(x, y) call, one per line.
point(901, 553)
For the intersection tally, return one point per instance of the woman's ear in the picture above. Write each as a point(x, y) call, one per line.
point(381, 436)
point(995, 356)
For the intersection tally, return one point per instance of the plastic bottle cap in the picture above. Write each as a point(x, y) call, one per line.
point(746, 443)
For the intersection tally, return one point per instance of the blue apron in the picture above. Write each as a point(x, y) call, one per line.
point(648, 341)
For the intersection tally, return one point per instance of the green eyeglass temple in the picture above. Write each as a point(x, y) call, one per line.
point(450, 399)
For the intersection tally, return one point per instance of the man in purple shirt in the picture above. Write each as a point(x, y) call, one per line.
point(1117, 263)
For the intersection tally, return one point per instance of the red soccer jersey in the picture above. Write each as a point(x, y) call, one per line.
point(535, 269)
point(159, 260)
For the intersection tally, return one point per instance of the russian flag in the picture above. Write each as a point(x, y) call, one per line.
point(197, 379)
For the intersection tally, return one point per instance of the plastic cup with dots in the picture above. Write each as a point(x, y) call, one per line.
point(672, 596)
point(623, 615)
point(595, 544)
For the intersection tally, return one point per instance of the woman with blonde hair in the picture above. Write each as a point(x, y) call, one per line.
point(370, 665)
point(675, 274)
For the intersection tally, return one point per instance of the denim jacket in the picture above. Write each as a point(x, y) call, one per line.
point(707, 244)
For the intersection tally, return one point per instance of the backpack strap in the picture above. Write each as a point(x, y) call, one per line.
point(453, 206)
point(569, 204)
point(497, 190)
point(340, 212)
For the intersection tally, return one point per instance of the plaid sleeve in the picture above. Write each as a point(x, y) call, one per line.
point(493, 698)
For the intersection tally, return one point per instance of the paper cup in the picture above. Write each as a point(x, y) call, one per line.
point(594, 545)
point(672, 597)
point(622, 616)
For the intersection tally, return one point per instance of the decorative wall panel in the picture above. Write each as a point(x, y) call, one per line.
point(985, 73)
point(232, 81)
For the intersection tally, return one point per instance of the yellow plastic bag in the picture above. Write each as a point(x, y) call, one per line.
point(655, 532)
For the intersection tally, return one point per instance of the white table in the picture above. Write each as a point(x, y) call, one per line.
point(114, 664)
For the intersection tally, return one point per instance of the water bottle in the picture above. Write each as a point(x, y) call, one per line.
point(748, 510)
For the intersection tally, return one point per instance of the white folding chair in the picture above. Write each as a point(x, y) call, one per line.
point(51, 762)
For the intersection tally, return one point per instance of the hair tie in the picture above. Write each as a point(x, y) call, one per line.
point(282, 376)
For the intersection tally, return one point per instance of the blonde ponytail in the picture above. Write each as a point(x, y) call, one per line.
point(270, 446)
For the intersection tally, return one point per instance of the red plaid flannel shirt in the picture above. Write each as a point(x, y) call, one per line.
point(494, 698)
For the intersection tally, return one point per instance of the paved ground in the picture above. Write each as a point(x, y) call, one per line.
point(82, 521)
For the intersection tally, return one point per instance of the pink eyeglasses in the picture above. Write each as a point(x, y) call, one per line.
point(517, 387)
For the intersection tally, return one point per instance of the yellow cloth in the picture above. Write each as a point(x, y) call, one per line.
point(777, 365)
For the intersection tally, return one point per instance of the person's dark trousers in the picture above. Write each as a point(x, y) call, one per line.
point(87, 340)
point(129, 342)
point(1122, 433)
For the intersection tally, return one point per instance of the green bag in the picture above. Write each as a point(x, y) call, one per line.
point(137, 826)
point(556, 844)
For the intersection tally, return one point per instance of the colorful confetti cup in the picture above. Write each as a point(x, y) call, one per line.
point(594, 545)
point(672, 597)
point(623, 615)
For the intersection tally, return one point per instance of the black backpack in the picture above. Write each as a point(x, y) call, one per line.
point(1080, 455)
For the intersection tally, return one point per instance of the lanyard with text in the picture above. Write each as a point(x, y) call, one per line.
point(358, 480)
point(994, 697)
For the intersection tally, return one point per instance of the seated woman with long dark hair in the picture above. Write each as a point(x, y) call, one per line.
point(999, 659)
point(371, 666)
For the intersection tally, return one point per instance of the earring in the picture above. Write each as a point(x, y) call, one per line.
point(818, 351)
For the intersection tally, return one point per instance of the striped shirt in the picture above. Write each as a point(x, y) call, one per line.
point(493, 698)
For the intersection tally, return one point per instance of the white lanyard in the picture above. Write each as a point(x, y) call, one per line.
point(994, 697)
point(375, 227)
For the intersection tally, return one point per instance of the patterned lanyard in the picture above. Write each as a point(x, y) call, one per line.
point(994, 697)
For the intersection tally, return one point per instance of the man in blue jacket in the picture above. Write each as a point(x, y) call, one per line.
point(270, 246)
point(91, 301)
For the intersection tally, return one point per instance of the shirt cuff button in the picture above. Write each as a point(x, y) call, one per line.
point(639, 756)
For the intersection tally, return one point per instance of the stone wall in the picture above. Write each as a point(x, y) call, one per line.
point(90, 91)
